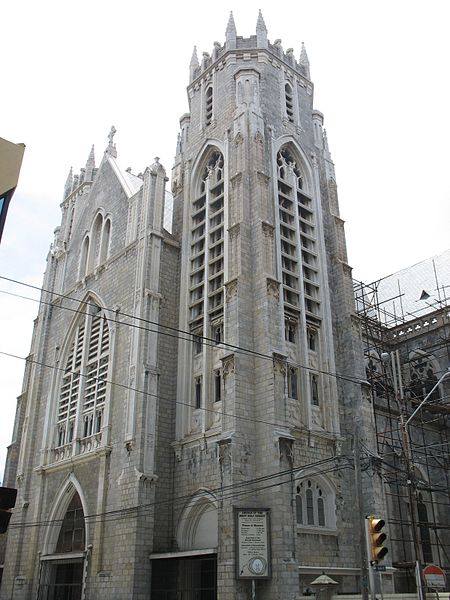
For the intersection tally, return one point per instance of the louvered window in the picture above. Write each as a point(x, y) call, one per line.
point(298, 244)
point(289, 99)
point(207, 245)
point(84, 383)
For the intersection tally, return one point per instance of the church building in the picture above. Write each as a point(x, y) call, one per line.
point(195, 397)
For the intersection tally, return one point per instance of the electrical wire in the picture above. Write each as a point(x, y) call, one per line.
point(174, 331)
point(232, 491)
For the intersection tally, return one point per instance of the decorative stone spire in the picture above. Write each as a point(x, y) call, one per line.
point(326, 148)
point(193, 65)
point(230, 33)
point(304, 62)
point(69, 183)
point(90, 166)
point(111, 149)
point(261, 32)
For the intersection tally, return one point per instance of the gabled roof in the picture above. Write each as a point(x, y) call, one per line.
point(130, 183)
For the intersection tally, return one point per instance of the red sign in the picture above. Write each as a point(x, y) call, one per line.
point(434, 576)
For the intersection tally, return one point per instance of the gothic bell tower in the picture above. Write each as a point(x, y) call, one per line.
point(262, 249)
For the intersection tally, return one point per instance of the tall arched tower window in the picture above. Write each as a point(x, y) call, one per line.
point(206, 279)
point(298, 241)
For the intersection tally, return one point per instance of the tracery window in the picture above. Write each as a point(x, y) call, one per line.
point(82, 396)
point(315, 505)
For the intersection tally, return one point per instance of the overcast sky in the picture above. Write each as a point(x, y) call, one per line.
point(70, 70)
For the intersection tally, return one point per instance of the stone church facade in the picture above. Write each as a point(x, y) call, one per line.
point(177, 377)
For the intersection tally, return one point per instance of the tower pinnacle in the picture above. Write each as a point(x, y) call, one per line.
point(304, 62)
point(90, 165)
point(230, 33)
point(261, 31)
point(69, 183)
point(194, 64)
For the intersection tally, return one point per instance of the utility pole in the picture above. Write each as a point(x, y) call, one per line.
point(409, 460)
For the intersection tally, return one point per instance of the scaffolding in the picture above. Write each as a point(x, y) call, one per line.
point(407, 350)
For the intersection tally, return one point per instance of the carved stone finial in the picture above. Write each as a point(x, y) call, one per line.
point(157, 167)
point(261, 32)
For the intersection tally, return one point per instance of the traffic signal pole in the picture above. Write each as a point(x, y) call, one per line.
point(376, 550)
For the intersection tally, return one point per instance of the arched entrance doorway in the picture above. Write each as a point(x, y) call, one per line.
point(62, 570)
point(191, 572)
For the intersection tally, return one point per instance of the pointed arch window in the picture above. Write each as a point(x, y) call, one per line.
point(97, 229)
point(315, 505)
point(207, 246)
point(106, 235)
point(84, 258)
point(83, 390)
point(72, 535)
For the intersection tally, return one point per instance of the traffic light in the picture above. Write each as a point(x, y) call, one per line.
point(376, 537)
point(7, 501)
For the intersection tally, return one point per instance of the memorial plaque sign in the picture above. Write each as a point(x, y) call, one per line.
point(252, 543)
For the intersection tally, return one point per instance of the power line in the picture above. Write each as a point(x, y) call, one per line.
point(232, 491)
point(174, 331)
point(133, 389)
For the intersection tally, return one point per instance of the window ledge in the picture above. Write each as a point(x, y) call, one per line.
point(75, 459)
point(316, 530)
